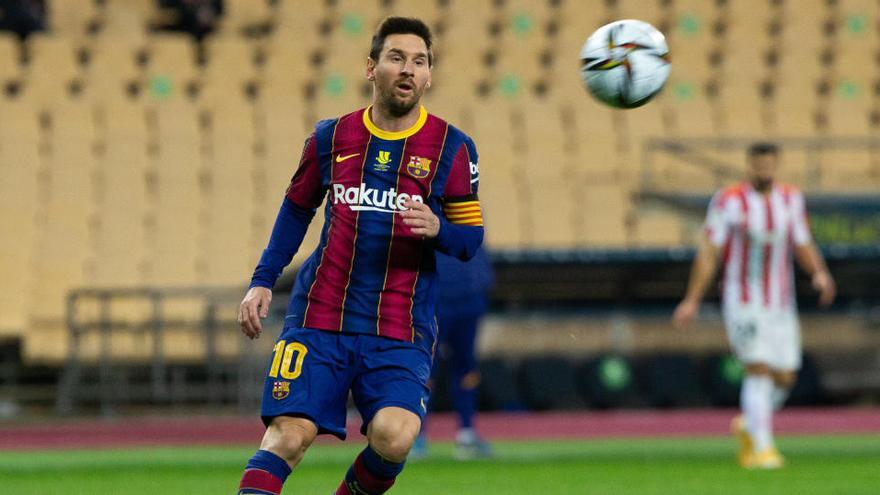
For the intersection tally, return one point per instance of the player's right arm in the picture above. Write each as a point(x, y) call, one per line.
point(702, 273)
point(303, 197)
point(705, 264)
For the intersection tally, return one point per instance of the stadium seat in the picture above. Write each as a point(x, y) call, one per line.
point(71, 17)
point(112, 68)
point(52, 69)
point(171, 65)
point(606, 229)
point(178, 203)
point(10, 68)
point(228, 197)
point(19, 203)
point(242, 17)
point(63, 256)
point(120, 211)
point(658, 229)
point(298, 20)
point(548, 383)
point(127, 19)
point(844, 169)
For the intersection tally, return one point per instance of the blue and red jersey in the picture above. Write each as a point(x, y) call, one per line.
point(370, 274)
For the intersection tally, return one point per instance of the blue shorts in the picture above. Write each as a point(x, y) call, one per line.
point(312, 371)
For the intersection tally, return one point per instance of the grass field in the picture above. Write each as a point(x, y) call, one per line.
point(817, 465)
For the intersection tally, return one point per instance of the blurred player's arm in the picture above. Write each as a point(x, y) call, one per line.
point(303, 196)
point(702, 273)
point(808, 256)
point(717, 230)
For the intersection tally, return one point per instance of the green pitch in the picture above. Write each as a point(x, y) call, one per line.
point(817, 465)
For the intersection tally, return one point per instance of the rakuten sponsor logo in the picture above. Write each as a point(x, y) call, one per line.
point(364, 198)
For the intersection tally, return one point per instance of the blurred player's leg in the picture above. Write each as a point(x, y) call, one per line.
point(391, 434)
point(757, 406)
point(283, 446)
point(464, 379)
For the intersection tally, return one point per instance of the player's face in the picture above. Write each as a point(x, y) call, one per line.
point(401, 74)
point(762, 170)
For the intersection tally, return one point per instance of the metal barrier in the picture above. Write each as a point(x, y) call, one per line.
point(168, 381)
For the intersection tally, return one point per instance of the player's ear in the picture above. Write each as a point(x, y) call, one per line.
point(371, 69)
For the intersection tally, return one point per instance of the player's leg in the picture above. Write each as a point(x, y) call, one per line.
point(464, 382)
point(756, 404)
point(390, 435)
point(284, 444)
point(783, 381)
point(752, 344)
point(787, 358)
point(391, 394)
point(304, 394)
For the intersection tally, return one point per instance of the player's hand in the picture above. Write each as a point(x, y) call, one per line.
point(254, 306)
point(420, 219)
point(824, 285)
point(685, 313)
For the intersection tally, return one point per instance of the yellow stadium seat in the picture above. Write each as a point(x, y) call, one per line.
point(63, 257)
point(71, 17)
point(127, 18)
point(10, 68)
point(228, 197)
point(174, 249)
point(121, 208)
point(605, 208)
point(657, 229)
point(845, 170)
point(295, 19)
point(742, 110)
point(19, 203)
point(171, 65)
point(243, 16)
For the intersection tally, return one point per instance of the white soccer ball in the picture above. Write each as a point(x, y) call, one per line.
point(625, 63)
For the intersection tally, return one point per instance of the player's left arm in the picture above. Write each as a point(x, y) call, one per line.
point(808, 256)
point(461, 221)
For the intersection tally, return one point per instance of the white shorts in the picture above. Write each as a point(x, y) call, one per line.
point(772, 337)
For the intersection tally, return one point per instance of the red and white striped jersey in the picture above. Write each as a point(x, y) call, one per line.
point(757, 233)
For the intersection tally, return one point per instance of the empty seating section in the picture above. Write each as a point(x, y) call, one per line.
point(130, 156)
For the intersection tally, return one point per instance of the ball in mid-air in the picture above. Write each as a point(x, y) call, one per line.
point(625, 63)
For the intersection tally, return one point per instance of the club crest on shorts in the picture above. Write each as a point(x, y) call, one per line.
point(418, 167)
point(280, 390)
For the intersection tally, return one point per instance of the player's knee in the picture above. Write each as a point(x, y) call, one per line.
point(784, 379)
point(470, 380)
point(757, 369)
point(392, 436)
point(289, 438)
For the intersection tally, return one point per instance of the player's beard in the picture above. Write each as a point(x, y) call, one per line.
point(762, 184)
point(395, 105)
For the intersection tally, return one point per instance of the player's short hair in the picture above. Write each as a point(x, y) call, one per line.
point(401, 25)
point(763, 148)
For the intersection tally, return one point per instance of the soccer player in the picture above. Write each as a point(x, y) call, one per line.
point(755, 227)
point(464, 299)
point(399, 184)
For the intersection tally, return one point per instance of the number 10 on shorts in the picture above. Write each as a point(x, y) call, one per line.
point(287, 359)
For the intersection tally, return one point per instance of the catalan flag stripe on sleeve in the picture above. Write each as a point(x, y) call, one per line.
point(464, 213)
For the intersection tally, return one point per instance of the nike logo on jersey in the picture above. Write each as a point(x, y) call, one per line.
point(341, 158)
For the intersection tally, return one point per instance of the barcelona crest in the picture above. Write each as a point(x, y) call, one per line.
point(280, 390)
point(418, 167)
